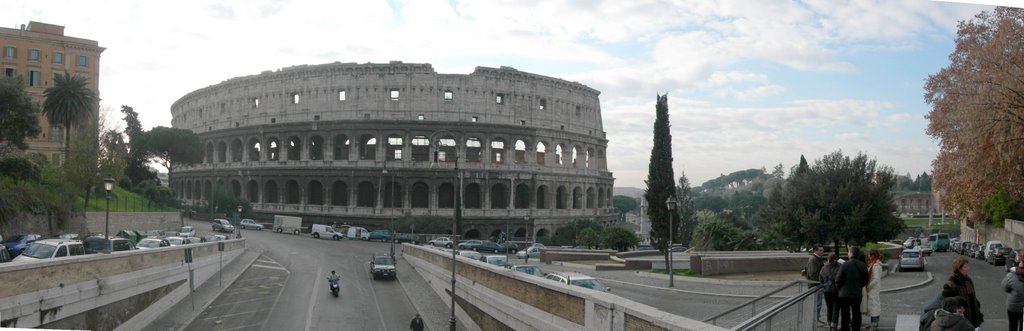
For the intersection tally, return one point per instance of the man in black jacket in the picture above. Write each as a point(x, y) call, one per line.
point(852, 278)
point(416, 324)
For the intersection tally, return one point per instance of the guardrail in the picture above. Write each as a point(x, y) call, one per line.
point(739, 316)
point(795, 312)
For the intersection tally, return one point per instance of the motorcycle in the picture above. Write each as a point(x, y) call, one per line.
point(334, 286)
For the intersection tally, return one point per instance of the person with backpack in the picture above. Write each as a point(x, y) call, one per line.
point(830, 291)
point(852, 277)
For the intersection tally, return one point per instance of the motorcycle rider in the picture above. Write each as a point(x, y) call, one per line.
point(333, 279)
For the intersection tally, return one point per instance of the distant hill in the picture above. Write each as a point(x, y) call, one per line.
point(636, 193)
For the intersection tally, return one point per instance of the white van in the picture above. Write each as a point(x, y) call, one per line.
point(325, 231)
point(991, 246)
point(356, 232)
point(498, 260)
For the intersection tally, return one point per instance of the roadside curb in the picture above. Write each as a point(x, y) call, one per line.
point(232, 280)
point(693, 292)
point(923, 283)
point(574, 265)
point(761, 283)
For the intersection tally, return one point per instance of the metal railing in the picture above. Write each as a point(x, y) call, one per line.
point(748, 311)
point(793, 313)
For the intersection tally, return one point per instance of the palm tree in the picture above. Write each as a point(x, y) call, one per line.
point(68, 102)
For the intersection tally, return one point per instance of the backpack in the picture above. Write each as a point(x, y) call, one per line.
point(829, 285)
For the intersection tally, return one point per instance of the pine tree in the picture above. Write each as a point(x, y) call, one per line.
point(660, 179)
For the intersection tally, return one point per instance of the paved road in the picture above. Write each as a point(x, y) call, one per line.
point(305, 303)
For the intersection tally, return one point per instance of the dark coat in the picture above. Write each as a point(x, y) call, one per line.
point(963, 286)
point(946, 321)
point(813, 267)
point(829, 271)
point(852, 278)
point(416, 324)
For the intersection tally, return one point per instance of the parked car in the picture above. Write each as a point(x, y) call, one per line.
point(529, 269)
point(405, 238)
point(223, 225)
point(488, 246)
point(1011, 259)
point(532, 252)
point(381, 235)
point(440, 242)
point(926, 249)
point(175, 241)
point(679, 249)
point(383, 266)
point(911, 259)
point(469, 244)
point(98, 244)
point(15, 244)
point(498, 260)
point(578, 279)
point(248, 224)
point(990, 248)
point(325, 231)
point(508, 247)
point(50, 249)
point(645, 248)
point(999, 255)
point(191, 240)
point(355, 232)
point(153, 233)
point(470, 255)
point(187, 231)
point(5, 256)
point(151, 243)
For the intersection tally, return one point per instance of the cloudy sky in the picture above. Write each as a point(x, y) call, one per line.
point(751, 83)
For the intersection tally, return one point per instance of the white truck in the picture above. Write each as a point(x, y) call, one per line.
point(287, 224)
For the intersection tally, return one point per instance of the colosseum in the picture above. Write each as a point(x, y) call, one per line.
point(361, 143)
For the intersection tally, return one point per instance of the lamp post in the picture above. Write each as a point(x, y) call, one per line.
point(108, 185)
point(238, 221)
point(671, 204)
point(385, 172)
point(457, 215)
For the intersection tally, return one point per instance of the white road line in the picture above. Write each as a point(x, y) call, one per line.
point(376, 302)
point(241, 327)
point(312, 297)
point(266, 318)
point(235, 314)
point(268, 267)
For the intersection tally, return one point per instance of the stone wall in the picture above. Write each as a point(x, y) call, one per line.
point(1011, 234)
point(93, 222)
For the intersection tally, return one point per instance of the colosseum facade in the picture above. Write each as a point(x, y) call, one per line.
point(362, 143)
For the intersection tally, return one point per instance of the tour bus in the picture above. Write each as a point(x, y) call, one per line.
point(939, 242)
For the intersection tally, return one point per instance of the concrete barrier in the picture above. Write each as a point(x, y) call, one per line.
point(548, 254)
point(105, 292)
point(709, 263)
point(494, 298)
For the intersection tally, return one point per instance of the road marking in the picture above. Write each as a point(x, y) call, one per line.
point(235, 314)
point(241, 327)
point(266, 317)
point(312, 297)
point(377, 303)
point(268, 267)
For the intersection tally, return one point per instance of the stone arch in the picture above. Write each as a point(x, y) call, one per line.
point(600, 198)
point(294, 148)
point(197, 194)
point(473, 149)
point(446, 195)
point(315, 192)
point(574, 154)
point(342, 146)
point(273, 149)
point(542, 150)
point(254, 149)
point(447, 149)
point(542, 196)
point(392, 195)
point(577, 198)
point(420, 148)
point(270, 193)
point(188, 189)
point(222, 152)
point(339, 193)
point(472, 198)
point(589, 158)
point(367, 147)
point(558, 154)
point(366, 195)
point(522, 200)
point(541, 235)
point(316, 148)
point(207, 189)
point(520, 147)
point(472, 234)
point(497, 153)
point(236, 150)
point(292, 192)
point(561, 197)
point(253, 191)
point(395, 148)
point(499, 196)
point(590, 198)
point(209, 152)
point(608, 197)
point(236, 188)
point(519, 235)
point(495, 234)
point(420, 195)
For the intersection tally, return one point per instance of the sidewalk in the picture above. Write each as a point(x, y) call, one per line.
point(436, 312)
point(181, 314)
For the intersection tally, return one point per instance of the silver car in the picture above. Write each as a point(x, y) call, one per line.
point(248, 224)
point(911, 259)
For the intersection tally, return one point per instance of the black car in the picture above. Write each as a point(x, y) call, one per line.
point(999, 256)
point(508, 247)
point(98, 244)
point(405, 238)
point(470, 244)
point(383, 266)
point(489, 246)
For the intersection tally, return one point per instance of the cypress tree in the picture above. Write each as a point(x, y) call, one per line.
point(660, 179)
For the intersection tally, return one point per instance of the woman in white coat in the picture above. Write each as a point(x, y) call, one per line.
point(874, 288)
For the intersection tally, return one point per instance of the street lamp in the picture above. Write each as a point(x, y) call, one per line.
point(385, 172)
point(108, 185)
point(238, 219)
point(671, 204)
point(457, 219)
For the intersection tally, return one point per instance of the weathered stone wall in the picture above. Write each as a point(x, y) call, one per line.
point(93, 222)
point(1011, 234)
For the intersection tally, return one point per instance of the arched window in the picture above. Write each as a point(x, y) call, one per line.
point(590, 198)
point(254, 149)
point(560, 198)
point(472, 198)
point(392, 195)
point(366, 195)
point(292, 193)
point(577, 198)
point(316, 193)
point(342, 146)
point(498, 151)
point(447, 149)
point(209, 152)
point(499, 196)
point(420, 195)
point(575, 157)
point(274, 149)
point(395, 144)
point(188, 189)
point(541, 152)
point(222, 152)
point(367, 148)
point(600, 198)
point(339, 193)
point(473, 148)
point(420, 149)
point(542, 196)
point(558, 154)
point(522, 196)
point(270, 194)
point(207, 190)
point(294, 148)
point(473, 234)
point(253, 191)
point(590, 154)
point(236, 188)
point(446, 196)
point(236, 150)
point(520, 151)
point(316, 148)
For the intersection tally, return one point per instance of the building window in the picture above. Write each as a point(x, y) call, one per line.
point(255, 102)
point(316, 117)
point(474, 119)
point(55, 132)
point(10, 72)
point(522, 122)
point(295, 98)
point(35, 78)
point(58, 58)
point(341, 95)
point(394, 94)
point(421, 117)
point(448, 95)
point(33, 55)
point(543, 104)
point(10, 52)
point(499, 98)
point(273, 120)
point(82, 61)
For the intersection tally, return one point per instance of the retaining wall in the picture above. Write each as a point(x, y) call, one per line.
point(1011, 234)
point(126, 290)
point(93, 222)
point(494, 298)
point(566, 254)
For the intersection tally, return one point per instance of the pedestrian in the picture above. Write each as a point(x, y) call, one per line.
point(812, 271)
point(874, 288)
point(951, 316)
point(831, 291)
point(1013, 284)
point(417, 323)
point(960, 284)
point(852, 278)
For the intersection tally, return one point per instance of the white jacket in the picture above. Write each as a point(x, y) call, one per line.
point(874, 290)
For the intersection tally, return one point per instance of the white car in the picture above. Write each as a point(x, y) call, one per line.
point(440, 242)
point(532, 252)
point(151, 243)
point(50, 249)
point(578, 279)
point(187, 231)
point(247, 224)
point(470, 254)
point(176, 241)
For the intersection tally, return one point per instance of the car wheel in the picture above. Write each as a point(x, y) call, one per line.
point(336, 237)
point(296, 232)
point(448, 246)
point(316, 235)
point(278, 230)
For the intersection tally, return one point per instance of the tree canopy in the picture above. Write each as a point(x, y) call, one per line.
point(660, 182)
point(19, 116)
point(172, 147)
point(978, 113)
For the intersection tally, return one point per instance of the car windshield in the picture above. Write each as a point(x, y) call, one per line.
point(149, 243)
point(174, 241)
point(39, 251)
point(589, 283)
point(910, 254)
point(382, 260)
point(95, 244)
point(529, 269)
point(186, 229)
